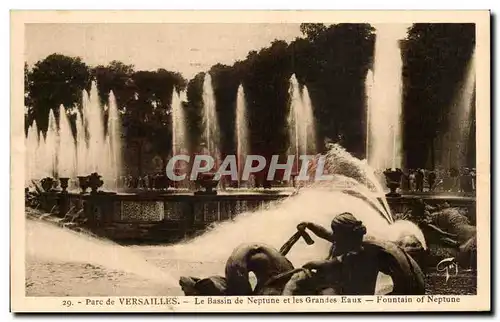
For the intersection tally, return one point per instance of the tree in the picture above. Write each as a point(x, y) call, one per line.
point(116, 77)
point(28, 104)
point(56, 80)
point(312, 30)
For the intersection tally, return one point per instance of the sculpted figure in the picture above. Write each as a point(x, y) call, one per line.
point(262, 260)
point(210, 286)
point(446, 227)
point(454, 222)
point(353, 264)
point(351, 267)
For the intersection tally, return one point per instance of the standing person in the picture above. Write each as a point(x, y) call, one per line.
point(454, 176)
point(473, 179)
point(405, 181)
point(431, 179)
point(419, 178)
point(150, 181)
point(466, 180)
point(412, 180)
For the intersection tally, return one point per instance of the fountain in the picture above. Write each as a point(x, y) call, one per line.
point(66, 165)
point(210, 134)
point(81, 147)
point(32, 142)
point(211, 131)
point(113, 139)
point(301, 124)
point(179, 134)
point(243, 147)
point(384, 95)
point(94, 148)
point(452, 151)
point(49, 149)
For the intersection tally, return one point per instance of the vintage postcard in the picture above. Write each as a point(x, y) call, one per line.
point(258, 161)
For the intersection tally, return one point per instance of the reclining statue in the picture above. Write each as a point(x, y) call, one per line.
point(351, 267)
point(446, 227)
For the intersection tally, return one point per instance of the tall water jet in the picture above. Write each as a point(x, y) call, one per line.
point(49, 149)
point(384, 147)
point(211, 124)
point(179, 135)
point(66, 150)
point(81, 147)
point(242, 144)
point(32, 139)
point(301, 124)
point(309, 123)
point(94, 120)
point(41, 168)
point(454, 143)
point(113, 141)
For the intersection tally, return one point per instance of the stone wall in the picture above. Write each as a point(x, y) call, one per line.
point(168, 217)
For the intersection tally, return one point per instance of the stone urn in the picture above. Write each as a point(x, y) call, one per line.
point(64, 184)
point(208, 182)
point(95, 182)
point(47, 184)
point(393, 181)
point(83, 182)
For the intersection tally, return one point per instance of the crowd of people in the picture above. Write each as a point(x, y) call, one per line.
point(152, 181)
point(438, 180)
point(412, 180)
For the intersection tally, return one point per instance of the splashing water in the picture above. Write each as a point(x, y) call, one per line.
point(339, 162)
point(319, 203)
point(206, 255)
point(354, 188)
point(49, 242)
point(276, 224)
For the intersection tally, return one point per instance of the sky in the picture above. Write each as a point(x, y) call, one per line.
point(184, 48)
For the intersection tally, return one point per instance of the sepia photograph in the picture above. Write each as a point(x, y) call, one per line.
point(209, 162)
